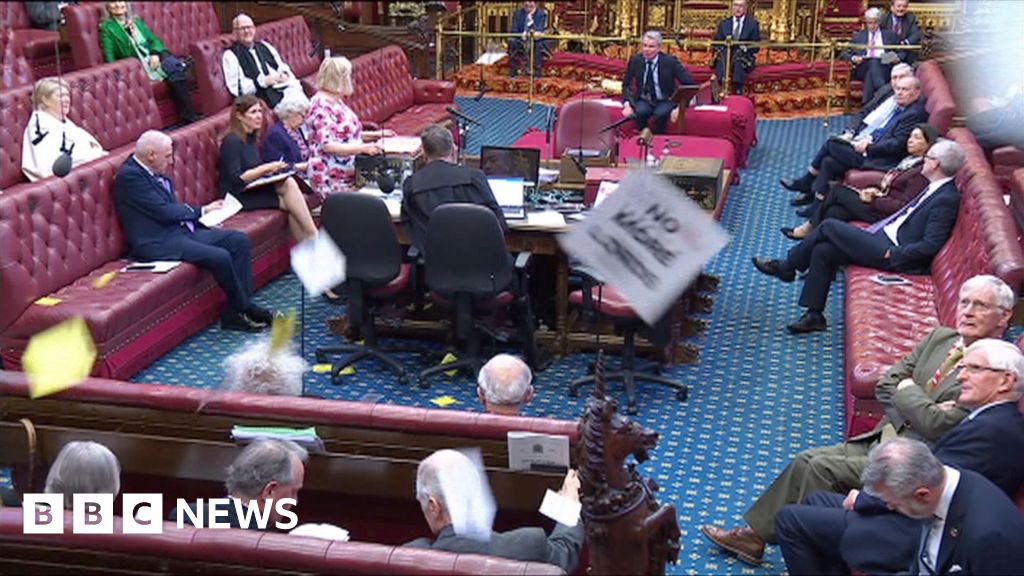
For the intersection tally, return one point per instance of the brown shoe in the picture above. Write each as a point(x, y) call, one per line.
point(743, 542)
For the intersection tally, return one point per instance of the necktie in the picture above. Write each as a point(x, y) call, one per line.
point(897, 26)
point(954, 356)
point(167, 186)
point(649, 81)
point(736, 25)
point(877, 226)
point(877, 134)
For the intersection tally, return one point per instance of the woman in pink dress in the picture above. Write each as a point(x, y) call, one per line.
point(336, 134)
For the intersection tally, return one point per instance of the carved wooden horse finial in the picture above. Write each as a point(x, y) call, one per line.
point(627, 531)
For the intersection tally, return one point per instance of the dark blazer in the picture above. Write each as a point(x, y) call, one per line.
point(750, 32)
point(892, 146)
point(235, 158)
point(904, 187)
point(881, 95)
point(150, 215)
point(911, 34)
point(861, 37)
point(440, 182)
point(562, 548)
point(984, 531)
point(924, 233)
point(279, 144)
point(671, 74)
point(540, 21)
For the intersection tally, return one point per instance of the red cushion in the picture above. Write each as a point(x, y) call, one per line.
point(399, 284)
point(606, 301)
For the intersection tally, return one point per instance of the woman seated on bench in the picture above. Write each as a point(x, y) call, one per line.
point(51, 134)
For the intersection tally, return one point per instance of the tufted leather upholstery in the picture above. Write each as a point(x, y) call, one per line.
point(935, 89)
point(883, 323)
point(29, 42)
point(578, 125)
point(387, 94)
point(253, 551)
point(16, 70)
point(1017, 196)
point(113, 102)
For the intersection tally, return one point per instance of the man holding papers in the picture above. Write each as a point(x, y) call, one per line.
point(158, 227)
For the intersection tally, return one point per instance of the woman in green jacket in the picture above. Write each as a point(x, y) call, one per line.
point(125, 36)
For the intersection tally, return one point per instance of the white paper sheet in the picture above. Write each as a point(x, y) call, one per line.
point(269, 179)
point(561, 509)
point(318, 263)
point(231, 207)
point(545, 219)
point(401, 145)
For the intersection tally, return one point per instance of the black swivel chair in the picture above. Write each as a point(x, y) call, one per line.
point(361, 226)
point(468, 269)
point(602, 300)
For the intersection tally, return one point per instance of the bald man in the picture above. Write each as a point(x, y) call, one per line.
point(252, 67)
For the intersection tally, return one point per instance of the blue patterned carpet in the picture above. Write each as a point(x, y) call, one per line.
point(758, 396)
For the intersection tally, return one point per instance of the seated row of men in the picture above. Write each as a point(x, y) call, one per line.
point(449, 489)
point(957, 391)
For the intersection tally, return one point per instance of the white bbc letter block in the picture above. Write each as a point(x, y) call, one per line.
point(142, 514)
point(42, 514)
point(93, 514)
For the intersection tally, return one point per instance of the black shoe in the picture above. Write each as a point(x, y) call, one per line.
point(807, 212)
point(811, 321)
point(802, 200)
point(788, 233)
point(241, 322)
point(260, 314)
point(773, 268)
point(799, 185)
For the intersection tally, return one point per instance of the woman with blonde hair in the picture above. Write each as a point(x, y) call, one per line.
point(336, 135)
point(240, 165)
point(50, 133)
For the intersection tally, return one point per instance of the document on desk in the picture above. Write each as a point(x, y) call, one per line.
point(401, 145)
point(545, 219)
point(214, 217)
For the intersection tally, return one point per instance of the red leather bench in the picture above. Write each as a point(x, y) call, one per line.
point(386, 94)
point(189, 549)
point(177, 24)
point(290, 37)
point(883, 323)
point(1017, 196)
point(35, 45)
point(16, 69)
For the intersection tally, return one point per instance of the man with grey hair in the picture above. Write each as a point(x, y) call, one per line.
point(741, 27)
point(159, 227)
point(83, 467)
point(450, 492)
point(252, 67)
point(652, 76)
point(915, 394)
point(442, 181)
point(829, 532)
point(905, 241)
point(871, 64)
point(969, 526)
point(504, 385)
point(264, 472)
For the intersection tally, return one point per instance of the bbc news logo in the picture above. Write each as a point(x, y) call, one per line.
point(144, 513)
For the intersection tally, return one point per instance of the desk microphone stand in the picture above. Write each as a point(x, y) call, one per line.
point(463, 128)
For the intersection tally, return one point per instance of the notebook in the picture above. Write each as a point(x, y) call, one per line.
point(509, 194)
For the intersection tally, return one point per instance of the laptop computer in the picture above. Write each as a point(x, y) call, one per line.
point(509, 194)
point(504, 162)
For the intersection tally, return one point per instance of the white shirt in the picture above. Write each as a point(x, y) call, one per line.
point(877, 118)
point(49, 132)
point(933, 533)
point(874, 39)
point(892, 228)
point(654, 72)
point(737, 26)
point(233, 75)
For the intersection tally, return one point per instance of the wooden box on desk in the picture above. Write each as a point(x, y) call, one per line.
point(699, 178)
point(596, 175)
point(569, 171)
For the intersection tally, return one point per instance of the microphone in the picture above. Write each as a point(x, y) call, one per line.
point(62, 165)
point(480, 91)
point(386, 182)
point(617, 123)
point(547, 123)
point(462, 116)
point(645, 137)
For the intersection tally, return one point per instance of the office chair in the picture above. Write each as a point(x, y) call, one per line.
point(577, 125)
point(468, 270)
point(360, 225)
point(602, 300)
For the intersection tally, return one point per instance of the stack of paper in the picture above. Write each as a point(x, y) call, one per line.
point(305, 437)
point(213, 218)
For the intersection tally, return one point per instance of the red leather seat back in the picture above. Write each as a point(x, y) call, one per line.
point(55, 232)
point(290, 37)
point(114, 102)
point(14, 16)
point(577, 126)
point(383, 84)
point(940, 103)
point(16, 69)
point(15, 109)
point(196, 155)
point(206, 55)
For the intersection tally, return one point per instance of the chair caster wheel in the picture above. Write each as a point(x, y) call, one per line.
point(631, 410)
point(683, 394)
point(321, 358)
point(574, 393)
point(422, 383)
point(336, 379)
point(591, 368)
point(403, 380)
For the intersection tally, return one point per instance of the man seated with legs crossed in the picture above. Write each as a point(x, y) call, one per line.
point(912, 393)
point(905, 241)
point(158, 227)
point(829, 532)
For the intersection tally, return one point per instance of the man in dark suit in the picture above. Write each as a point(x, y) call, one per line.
point(828, 532)
point(904, 26)
point(913, 394)
point(442, 181)
point(906, 241)
point(871, 65)
point(527, 19)
point(652, 76)
point(970, 525)
point(741, 28)
point(448, 476)
point(879, 146)
point(158, 227)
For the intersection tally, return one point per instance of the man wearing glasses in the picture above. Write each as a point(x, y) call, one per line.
point(252, 67)
point(917, 394)
point(830, 532)
point(906, 241)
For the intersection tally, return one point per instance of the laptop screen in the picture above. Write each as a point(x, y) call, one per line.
point(503, 162)
point(508, 192)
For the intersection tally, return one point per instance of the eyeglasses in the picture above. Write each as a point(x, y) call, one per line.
point(245, 27)
point(976, 304)
point(979, 368)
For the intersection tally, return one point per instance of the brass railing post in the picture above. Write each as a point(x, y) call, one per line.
point(530, 66)
point(831, 80)
point(727, 73)
point(439, 51)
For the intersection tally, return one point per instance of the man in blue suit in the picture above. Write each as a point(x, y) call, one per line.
point(158, 227)
point(871, 65)
point(829, 533)
point(651, 78)
point(903, 242)
point(903, 25)
point(742, 28)
point(527, 19)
